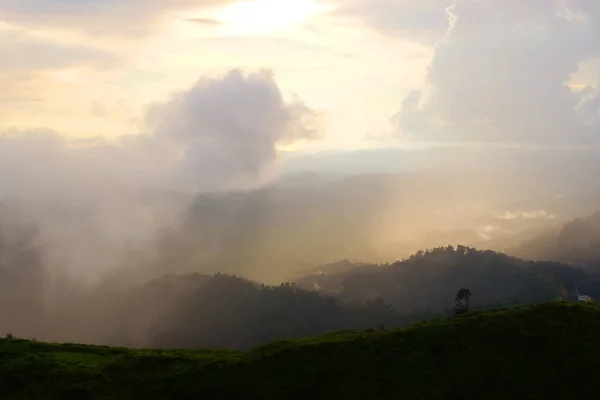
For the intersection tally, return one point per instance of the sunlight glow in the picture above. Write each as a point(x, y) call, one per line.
point(266, 16)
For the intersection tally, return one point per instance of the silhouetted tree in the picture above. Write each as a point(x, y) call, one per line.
point(461, 301)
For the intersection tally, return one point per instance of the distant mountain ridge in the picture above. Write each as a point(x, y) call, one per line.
point(424, 280)
point(577, 243)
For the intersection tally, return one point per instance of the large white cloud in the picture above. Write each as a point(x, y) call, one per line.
point(501, 74)
point(218, 134)
point(229, 128)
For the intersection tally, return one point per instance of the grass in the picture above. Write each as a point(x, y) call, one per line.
point(537, 352)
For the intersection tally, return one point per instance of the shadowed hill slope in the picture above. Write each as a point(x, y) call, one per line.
point(424, 280)
point(576, 243)
point(544, 351)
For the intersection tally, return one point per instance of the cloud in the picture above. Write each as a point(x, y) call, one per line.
point(215, 135)
point(92, 197)
point(24, 53)
point(41, 165)
point(537, 214)
point(501, 74)
point(422, 21)
point(229, 128)
point(84, 201)
point(204, 21)
point(104, 17)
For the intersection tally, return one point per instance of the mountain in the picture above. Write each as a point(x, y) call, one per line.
point(286, 226)
point(577, 243)
point(309, 219)
point(425, 280)
point(186, 311)
point(544, 351)
point(200, 310)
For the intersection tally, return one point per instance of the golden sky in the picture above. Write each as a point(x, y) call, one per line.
point(91, 68)
point(81, 82)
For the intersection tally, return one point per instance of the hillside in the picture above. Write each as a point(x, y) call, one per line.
point(425, 280)
point(193, 311)
point(576, 243)
point(311, 219)
point(544, 351)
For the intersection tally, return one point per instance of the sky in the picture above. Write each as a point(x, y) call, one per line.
point(103, 101)
point(210, 93)
point(91, 67)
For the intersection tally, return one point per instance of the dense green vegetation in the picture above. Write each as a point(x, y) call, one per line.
point(530, 351)
point(544, 351)
point(426, 280)
point(224, 311)
point(228, 311)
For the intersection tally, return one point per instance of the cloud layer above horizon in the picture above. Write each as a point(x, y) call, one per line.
point(221, 133)
point(508, 72)
point(445, 71)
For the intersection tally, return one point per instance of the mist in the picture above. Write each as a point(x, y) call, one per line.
point(493, 145)
point(71, 259)
point(86, 226)
point(81, 214)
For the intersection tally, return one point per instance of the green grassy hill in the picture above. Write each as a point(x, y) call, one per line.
point(538, 352)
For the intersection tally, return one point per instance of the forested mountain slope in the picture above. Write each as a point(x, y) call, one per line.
point(425, 280)
point(194, 310)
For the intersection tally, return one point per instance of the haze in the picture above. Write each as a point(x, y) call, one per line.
point(143, 138)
